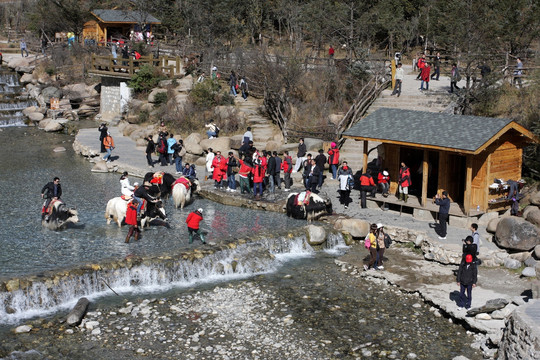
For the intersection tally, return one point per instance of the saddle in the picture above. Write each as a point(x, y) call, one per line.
point(182, 180)
point(302, 199)
point(126, 197)
point(49, 208)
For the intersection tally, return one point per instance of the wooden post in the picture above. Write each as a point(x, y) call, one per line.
point(393, 66)
point(425, 170)
point(365, 153)
point(468, 184)
point(485, 205)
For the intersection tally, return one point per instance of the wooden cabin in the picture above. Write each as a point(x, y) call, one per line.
point(118, 25)
point(460, 154)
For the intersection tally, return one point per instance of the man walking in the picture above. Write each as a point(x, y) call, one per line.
point(444, 208)
point(400, 74)
point(271, 171)
point(436, 67)
point(23, 48)
point(108, 142)
point(193, 220)
point(300, 155)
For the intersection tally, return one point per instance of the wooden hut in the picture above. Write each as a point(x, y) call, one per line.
point(112, 25)
point(460, 154)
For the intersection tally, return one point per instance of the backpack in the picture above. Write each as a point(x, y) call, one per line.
point(387, 241)
point(350, 182)
point(367, 242)
point(162, 146)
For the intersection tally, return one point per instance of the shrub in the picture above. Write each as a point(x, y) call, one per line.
point(145, 79)
point(144, 116)
point(160, 98)
point(209, 94)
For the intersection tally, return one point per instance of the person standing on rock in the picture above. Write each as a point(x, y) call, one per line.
point(170, 151)
point(131, 219)
point(248, 136)
point(286, 166)
point(380, 246)
point(243, 173)
point(320, 161)
point(333, 159)
point(258, 179)
point(271, 171)
point(179, 153)
point(466, 280)
point(244, 88)
point(193, 220)
point(469, 248)
point(233, 83)
point(209, 159)
point(444, 208)
point(102, 134)
point(232, 167)
point(219, 166)
point(150, 149)
point(436, 67)
point(300, 155)
point(22, 45)
point(109, 146)
point(278, 169)
point(345, 176)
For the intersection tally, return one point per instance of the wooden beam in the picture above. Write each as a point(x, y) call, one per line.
point(487, 182)
point(425, 170)
point(412, 145)
point(365, 162)
point(468, 183)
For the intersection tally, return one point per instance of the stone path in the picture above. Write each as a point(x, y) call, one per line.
point(262, 127)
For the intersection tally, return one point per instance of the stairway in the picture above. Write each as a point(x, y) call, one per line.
point(436, 99)
point(262, 127)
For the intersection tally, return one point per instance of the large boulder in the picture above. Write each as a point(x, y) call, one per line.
point(50, 92)
point(272, 146)
point(487, 217)
point(222, 144)
point(316, 235)
point(355, 227)
point(194, 148)
point(26, 79)
point(193, 138)
point(237, 141)
point(533, 216)
point(35, 116)
point(535, 198)
point(185, 84)
point(313, 145)
point(153, 93)
point(517, 234)
point(492, 225)
point(54, 125)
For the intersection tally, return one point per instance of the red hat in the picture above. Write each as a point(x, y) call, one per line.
point(468, 258)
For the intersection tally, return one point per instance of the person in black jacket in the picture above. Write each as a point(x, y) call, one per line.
point(469, 248)
point(444, 209)
point(232, 165)
point(150, 148)
point(300, 155)
point(51, 191)
point(140, 193)
point(320, 161)
point(466, 280)
point(102, 135)
point(271, 171)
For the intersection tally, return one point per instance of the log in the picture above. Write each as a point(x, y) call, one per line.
point(76, 315)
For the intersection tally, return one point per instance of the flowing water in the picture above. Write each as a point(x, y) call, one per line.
point(12, 103)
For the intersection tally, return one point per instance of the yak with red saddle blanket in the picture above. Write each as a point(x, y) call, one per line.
point(183, 190)
point(58, 215)
point(307, 205)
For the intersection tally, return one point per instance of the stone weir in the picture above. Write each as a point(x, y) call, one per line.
point(46, 293)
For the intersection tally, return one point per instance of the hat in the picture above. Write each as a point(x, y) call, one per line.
point(379, 225)
point(333, 144)
point(147, 183)
point(468, 258)
point(136, 184)
point(385, 173)
point(200, 210)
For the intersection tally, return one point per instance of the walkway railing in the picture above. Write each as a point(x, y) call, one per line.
point(107, 65)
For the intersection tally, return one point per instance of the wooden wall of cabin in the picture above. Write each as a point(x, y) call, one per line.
point(391, 161)
point(479, 183)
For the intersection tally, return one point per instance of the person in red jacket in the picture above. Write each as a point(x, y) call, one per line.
point(384, 182)
point(258, 178)
point(366, 185)
point(193, 220)
point(286, 166)
point(131, 219)
point(404, 182)
point(421, 63)
point(217, 166)
point(333, 159)
point(243, 175)
point(425, 76)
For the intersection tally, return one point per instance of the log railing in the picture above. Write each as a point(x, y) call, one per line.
point(104, 65)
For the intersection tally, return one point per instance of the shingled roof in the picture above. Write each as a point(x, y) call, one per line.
point(432, 130)
point(124, 16)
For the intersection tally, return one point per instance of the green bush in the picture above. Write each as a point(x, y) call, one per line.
point(143, 116)
point(209, 94)
point(161, 98)
point(145, 79)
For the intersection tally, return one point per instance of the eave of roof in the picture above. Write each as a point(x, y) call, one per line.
point(124, 16)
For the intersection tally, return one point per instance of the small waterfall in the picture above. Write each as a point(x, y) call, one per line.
point(12, 103)
point(48, 295)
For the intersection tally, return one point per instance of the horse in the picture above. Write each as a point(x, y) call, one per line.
point(307, 205)
point(166, 184)
point(182, 190)
point(117, 208)
point(60, 215)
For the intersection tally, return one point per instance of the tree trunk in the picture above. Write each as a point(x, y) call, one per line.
point(76, 315)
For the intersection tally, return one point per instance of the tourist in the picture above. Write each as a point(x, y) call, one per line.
point(371, 244)
point(162, 130)
point(219, 169)
point(444, 208)
point(421, 63)
point(286, 166)
point(189, 172)
point(455, 77)
point(333, 159)
point(125, 187)
point(201, 78)
point(141, 193)
point(247, 149)
point(345, 181)
point(425, 77)
point(150, 148)
point(307, 172)
point(102, 134)
point(466, 280)
point(232, 83)
point(469, 248)
point(248, 136)
point(193, 220)
point(131, 219)
point(214, 73)
point(380, 246)
point(243, 173)
point(436, 67)
point(51, 191)
point(320, 161)
point(331, 52)
point(109, 146)
point(113, 51)
point(315, 174)
point(384, 182)
point(162, 149)
point(476, 237)
point(271, 172)
point(22, 45)
point(258, 178)
point(170, 151)
point(404, 182)
point(232, 167)
point(179, 153)
point(244, 88)
point(300, 155)
point(518, 72)
point(213, 129)
point(278, 169)
point(367, 185)
point(209, 159)
point(400, 74)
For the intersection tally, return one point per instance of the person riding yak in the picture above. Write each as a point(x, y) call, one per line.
point(51, 191)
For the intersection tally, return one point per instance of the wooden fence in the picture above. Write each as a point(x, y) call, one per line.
point(107, 65)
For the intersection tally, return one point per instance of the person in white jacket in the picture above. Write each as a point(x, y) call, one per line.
point(209, 168)
point(126, 187)
point(400, 74)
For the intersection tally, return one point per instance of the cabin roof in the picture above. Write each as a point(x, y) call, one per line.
point(124, 16)
point(469, 134)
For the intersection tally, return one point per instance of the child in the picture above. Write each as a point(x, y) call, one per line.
point(372, 238)
point(466, 279)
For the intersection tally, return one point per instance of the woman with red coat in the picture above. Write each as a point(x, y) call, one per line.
point(217, 166)
point(333, 159)
point(193, 220)
point(425, 77)
point(258, 178)
point(404, 182)
point(131, 219)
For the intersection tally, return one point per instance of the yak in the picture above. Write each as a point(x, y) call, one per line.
point(307, 205)
point(182, 191)
point(117, 207)
point(60, 215)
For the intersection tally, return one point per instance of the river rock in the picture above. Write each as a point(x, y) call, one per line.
point(26, 78)
point(488, 307)
point(90, 325)
point(531, 261)
point(76, 315)
point(50, 92)
point(316, 235)
point(237, 141)
point(537, 251)
point(35, 116)
point(194, 149)
point(222, 144)
point(100, 167)
point(529, 272)
point(492, 225)
point(503, 313)
point(23, 329)
point(53, 125)
point(510, 263)
point(487, 217)
point(517, 234)
point(482, 316)
point(528, 209)
point(153, 93)
point(193, 138)
point(533, 216)
point(59, 149)
point(535, 198)
point(355, 227)
point(520, 256)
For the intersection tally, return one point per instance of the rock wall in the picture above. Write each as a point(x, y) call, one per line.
point(521, 339)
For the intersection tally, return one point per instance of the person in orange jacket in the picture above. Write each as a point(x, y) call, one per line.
point(366, 185)
point(404, 182)
point(384, 182)
point(258, 178)
point(193, 220)
point(333, 159)
point(108, 142)
point(219, 166)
